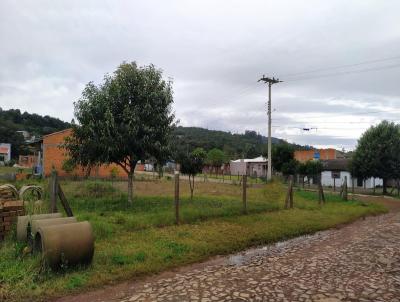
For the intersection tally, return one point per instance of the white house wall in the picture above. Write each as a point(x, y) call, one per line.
point(238, 168)
point(327, 180)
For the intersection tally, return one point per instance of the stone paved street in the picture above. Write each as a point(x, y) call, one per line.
point(357, 262)
point(360, 262)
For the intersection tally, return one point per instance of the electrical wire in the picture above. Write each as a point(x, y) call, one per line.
point(345, 73)
point(342, 66)
point(340, 113)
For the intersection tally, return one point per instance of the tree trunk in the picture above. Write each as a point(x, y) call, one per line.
point(374, 186)
point(384, 186)
point(88, 170)
point(130, 187)
point(191, 184)
point(398, 187)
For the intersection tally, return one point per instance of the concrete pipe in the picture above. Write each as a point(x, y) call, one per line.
point(36, 224)
point(33, 189)
point(10, 189)
point(65, 244)
point(24, 221)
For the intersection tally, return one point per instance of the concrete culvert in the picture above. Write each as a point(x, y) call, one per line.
point(30, 189)
point(36, 224)
point(65, 244)
point(24, 221)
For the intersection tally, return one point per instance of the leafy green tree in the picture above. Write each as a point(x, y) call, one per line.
point(313, 169)
point(192, 164)
point(282, 154)
point(302, 170)
point(125, 119)
point(290, 167)
point(68, 165)
point(377, 153)
point(216, 158)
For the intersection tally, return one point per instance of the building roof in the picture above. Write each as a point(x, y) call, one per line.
point(58, 132)
point(341, 164)
point(259, 159)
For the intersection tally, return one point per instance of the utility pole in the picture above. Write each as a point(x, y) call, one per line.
point(270, 82)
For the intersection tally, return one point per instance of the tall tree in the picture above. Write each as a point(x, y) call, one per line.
point(290, 168)
point(377, 153)
point(216, 158)
point(313, 170)
point(281, 154)
point(192, 164)
point(125, 119)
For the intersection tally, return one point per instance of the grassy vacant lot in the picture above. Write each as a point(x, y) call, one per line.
point(4, 169)
point(135, 240)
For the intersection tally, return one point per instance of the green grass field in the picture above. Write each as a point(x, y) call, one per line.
point(139, 239)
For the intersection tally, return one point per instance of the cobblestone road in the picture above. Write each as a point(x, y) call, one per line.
point(358, 262)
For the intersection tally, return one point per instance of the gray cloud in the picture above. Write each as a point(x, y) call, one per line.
point(215, 52)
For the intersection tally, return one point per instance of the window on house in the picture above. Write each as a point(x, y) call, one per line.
point(335, 174)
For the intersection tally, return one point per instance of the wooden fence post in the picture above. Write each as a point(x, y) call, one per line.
point(64, 201)
point(334, 184)
point(244, 194)
point(344, 194)
point(321, 195)
point(289, 194)
point(177, 197)
point(53, 191)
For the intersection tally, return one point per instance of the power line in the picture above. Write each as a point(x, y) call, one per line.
point(342, 66)
point(346, 72)
point(340, 113)
point(317, 128)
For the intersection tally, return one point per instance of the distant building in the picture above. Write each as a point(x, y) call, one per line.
point(25, 134)
point(28, 161)
point(5, 153)
point(318, 154)
point(335, 171)
point(52, 155)
point(256, 167)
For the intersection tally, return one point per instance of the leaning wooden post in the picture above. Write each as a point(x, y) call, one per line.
point(53, 191)
point(177, 197)
point(244, 194)
point(64, 201)
point(345, 189)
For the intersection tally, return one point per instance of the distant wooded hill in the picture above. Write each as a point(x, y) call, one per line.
point(13, 120)
point(250, 144)
point(35, 124)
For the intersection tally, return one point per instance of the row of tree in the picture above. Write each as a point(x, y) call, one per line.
point(129, 117)
point(377, 155)
point(284, 162)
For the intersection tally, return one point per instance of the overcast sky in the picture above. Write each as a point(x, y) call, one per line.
point(215, 51)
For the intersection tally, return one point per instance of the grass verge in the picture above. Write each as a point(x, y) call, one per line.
point(130, 242)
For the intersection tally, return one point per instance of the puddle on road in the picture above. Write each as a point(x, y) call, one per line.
point(274, 249)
